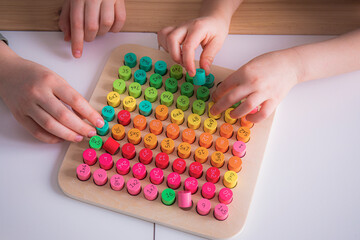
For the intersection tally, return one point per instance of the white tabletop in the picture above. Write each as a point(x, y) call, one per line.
point(308, 186)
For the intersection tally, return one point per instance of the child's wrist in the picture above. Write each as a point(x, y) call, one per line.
point(7, 56)
point(220, 9)
point(218, 14)
point(8, 59)
point(295, 58)
point(224, 18)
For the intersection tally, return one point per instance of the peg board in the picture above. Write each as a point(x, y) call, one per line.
point(155, 211)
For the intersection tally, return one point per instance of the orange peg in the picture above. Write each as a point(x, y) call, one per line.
point(172, 131)
point(217, 159)
point(205, 140)
point(188, 135)
point(150, 141)
point(184, 150)
point(222, 144)
point(118, 132)
point(235, 164)
point(140, 122)
point(201, 154)
point(243, 134)
point(134, 136)
point(156, 127)
point(161, 112)
point(167, 145)
point(226, 130)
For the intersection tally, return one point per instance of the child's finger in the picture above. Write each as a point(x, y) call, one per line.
point(191, 42)
point(267, 108)
point(69, 96)
point(251, 102)
point(120, 16)
point(66, 117)
point(77, 27)
point(229, 99)
point(106, 17)
point(78, 114)
point(64, 21)
point(208, 54)
point(48, 123)
point(228, 84)
point(162, 36)
point(37, 131)
point(174, 41)
point(92, 12)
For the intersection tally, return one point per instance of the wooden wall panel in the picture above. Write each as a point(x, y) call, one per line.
point(253, 16)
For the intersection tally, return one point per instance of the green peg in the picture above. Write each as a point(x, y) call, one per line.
point(183, 102)
point(171, 85)
point(210, 79)
point(187, 89)
point(135, 89)
point(156, 80)
point(124, 73)
point(167, 98)
point(176, 71)
point(203, 93)
point(151, 94)
point(119, 86)
point(189, 79)
point(168, 196)
point(236, 104)
point(95, 142)
point(198, 107)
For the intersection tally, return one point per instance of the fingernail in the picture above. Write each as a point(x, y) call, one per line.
point(207, 70)
point(77, 53)
point(91, 134)
point(100, 123)
point(78, 138)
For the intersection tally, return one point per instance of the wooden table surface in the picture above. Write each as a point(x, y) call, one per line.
point(253, 17)
point(308, 187)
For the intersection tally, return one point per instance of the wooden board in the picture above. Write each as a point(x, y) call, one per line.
point(253, 16)
point(154, 211)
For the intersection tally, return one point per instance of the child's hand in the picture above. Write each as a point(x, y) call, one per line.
point(34, 95)
point(263, 81)
point(181, 42)
point(84, 19)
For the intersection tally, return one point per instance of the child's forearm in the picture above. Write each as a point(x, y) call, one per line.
point(8, 58)
point(329, 58)
point(5, 52)
point(222, 8)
